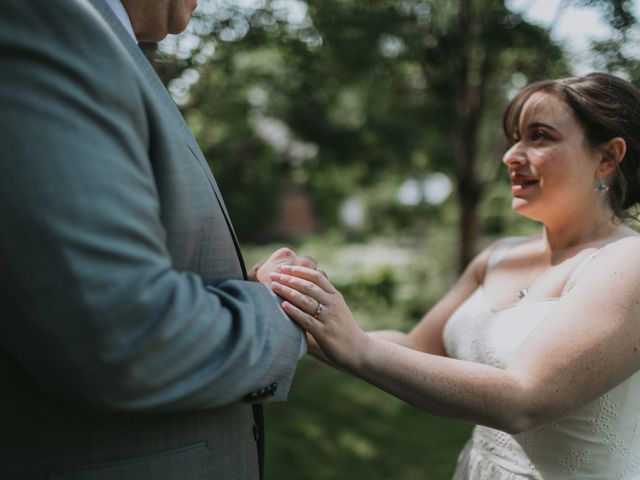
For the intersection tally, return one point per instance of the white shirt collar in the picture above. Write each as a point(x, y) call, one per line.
point(123, 16)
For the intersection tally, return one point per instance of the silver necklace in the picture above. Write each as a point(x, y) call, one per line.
point(523, 292)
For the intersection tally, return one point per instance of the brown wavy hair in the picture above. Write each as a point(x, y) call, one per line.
point(606, 107)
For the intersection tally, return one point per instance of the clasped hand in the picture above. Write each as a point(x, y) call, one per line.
point(315, 304)
point(283, 256)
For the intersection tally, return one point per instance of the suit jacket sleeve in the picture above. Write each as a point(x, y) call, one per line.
point(90, 303)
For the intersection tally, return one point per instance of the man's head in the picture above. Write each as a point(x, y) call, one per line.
point(153, 20)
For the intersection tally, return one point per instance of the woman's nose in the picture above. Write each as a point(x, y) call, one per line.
point(515, 154)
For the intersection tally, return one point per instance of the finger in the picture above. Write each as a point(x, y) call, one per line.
point(283, 253)
point(301, 285)
point(253, 272)
point(308, 274)
point(303, 302)
point(306, 261)
point(307, 322)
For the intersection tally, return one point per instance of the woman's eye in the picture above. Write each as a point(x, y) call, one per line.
point(540, 135)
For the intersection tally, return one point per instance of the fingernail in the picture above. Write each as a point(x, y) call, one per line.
point(276, 286)
point(284, 267)
point(275, 276)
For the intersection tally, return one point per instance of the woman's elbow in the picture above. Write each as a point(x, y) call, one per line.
point(528, 415)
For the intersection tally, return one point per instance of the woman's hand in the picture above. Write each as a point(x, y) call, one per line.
point(283, 256)
point(314, 303)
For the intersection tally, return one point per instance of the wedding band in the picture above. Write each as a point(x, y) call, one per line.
point(318, 310)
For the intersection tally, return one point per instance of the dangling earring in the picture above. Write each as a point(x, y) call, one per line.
point(602, 188)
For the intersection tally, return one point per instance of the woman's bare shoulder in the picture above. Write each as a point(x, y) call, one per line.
point(617, 261)
point(626, 248)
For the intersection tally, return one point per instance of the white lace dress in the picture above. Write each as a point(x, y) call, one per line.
point(600, 440)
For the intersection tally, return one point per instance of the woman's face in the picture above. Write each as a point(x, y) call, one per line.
point(552, 168)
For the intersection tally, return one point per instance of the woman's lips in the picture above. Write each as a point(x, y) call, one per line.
point(521, 183)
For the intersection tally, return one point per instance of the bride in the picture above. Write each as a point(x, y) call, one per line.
point(538, 341)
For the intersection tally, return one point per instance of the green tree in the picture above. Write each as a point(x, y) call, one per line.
point(359, 92)
point(618, 54)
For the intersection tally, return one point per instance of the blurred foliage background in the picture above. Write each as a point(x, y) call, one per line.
point(367, 134)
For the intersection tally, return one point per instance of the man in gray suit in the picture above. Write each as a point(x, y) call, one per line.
point(131, 344)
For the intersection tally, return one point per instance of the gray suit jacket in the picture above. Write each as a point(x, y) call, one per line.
point(128, 338)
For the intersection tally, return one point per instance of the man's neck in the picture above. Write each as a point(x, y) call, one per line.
point(123, 16)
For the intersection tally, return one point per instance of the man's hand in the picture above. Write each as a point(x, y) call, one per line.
point(283, 256)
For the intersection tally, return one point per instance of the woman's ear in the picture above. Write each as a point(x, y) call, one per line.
point(612, 154)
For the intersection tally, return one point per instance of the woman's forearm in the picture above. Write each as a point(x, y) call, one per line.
point(448, 387)
point(393, 336)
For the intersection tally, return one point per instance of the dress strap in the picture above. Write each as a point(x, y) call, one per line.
point(571, 281)
point(500, 249)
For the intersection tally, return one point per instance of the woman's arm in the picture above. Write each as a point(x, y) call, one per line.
point(393, 336)
point(584, 347)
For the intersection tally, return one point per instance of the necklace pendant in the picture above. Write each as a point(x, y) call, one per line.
point(522, 293)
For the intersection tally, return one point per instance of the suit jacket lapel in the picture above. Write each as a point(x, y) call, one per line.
point(162, 95)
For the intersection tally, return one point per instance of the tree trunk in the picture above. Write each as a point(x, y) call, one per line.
point(473, 71)
point(468, 199)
